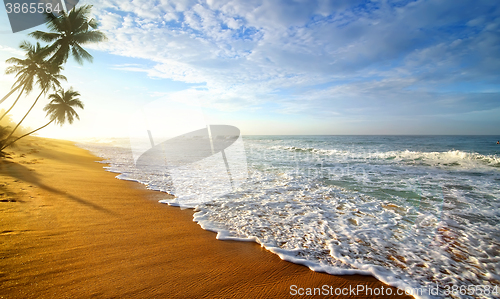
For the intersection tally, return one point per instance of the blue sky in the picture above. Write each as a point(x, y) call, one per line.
point(289, 67)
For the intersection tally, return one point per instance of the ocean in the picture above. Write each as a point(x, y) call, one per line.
point(413, 211)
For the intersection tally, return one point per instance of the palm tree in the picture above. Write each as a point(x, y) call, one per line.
point(10, 93)
point(60, 109)
point(68, 33)
point(47, 79)
point(26, 70)
point(4, 131)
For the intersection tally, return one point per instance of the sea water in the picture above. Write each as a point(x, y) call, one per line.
point(414, 211)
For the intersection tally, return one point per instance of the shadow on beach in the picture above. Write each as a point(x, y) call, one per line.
point(22, 173)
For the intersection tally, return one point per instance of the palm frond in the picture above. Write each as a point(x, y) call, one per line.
point(15, 60)
point(13, 69)
point(60, 109)
point(79, 54)
point(78, 58)
point(90, 37)
point(55, 23)
point(44, 36)
point(26, 46)
point(61, 54)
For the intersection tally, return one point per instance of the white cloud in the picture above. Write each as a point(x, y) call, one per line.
point(11, 50)
point(375, 54)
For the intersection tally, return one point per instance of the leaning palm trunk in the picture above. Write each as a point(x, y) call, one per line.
point(10, 143)
point(19, 123)
point(9, 94)
point(60, 110)
point(15, 102)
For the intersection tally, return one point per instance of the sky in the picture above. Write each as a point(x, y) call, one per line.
point(285, 67)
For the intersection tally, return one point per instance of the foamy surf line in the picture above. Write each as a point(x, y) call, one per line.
point(287, 255)
point(223, 234)
point(361, 235)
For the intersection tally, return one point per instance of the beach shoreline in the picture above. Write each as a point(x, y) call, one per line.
point(71, 229)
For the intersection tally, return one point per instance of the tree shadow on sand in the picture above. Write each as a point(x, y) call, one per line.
point(23, 173)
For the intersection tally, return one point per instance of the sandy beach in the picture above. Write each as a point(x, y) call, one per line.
point(68, 228)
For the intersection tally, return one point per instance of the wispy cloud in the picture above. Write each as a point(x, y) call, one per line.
point(319, 57)
point(11, 50)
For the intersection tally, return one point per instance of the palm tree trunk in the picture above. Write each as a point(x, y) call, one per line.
point(8, 95)
point(13, 104)
point(19, 123)
point(10, 143)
